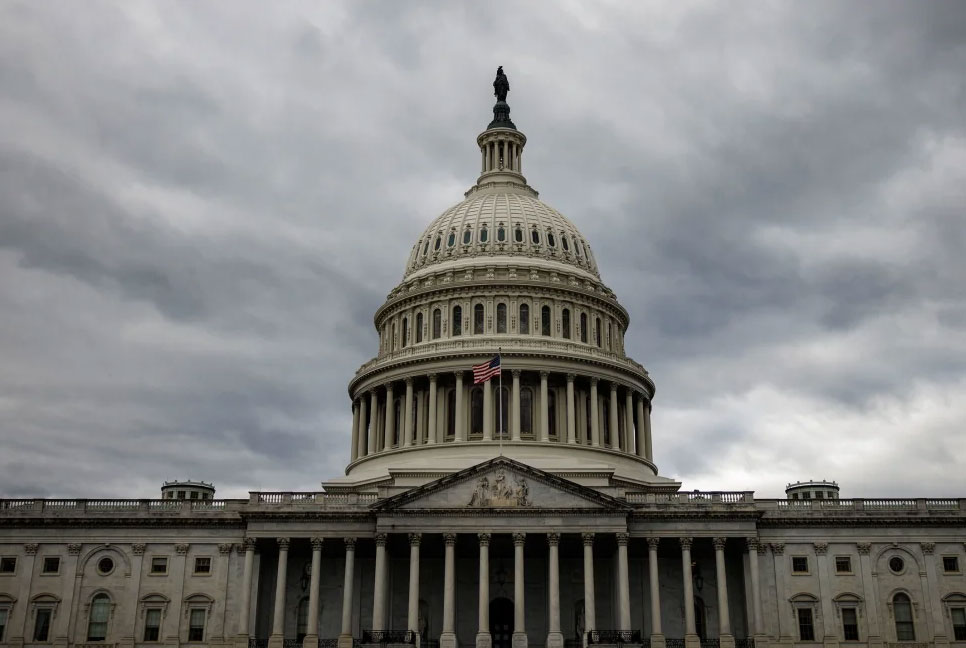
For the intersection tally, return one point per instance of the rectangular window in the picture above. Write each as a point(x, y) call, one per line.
point(196, 625)
point(799, 564)
point(951, 564)
point(850, 624)
point(159, 565)
point(806, 630)
point(8, 565)
point(4, 613)
point(152, 625)
point(51, 565)
point(843, 564)
point(42, 624)
point(202, 565)
point(958, 616)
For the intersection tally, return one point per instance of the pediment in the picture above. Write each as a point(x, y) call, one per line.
point(501, 484)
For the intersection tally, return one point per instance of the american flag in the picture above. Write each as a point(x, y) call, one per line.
point(487, 370)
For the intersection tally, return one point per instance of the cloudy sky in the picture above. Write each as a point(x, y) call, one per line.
point(203, 203)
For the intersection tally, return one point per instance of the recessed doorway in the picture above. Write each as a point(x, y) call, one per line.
point(501, 622)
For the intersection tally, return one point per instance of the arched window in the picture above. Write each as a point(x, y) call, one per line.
point(478, 319)
point(99, 614)
point(451, 412)
point(457, 322)
point(501, 318)
point(484, 235)
point(302, 619)
point(545, 320)
point(524, 319)
point(552, 412)
point(467, 236)
point(583, 328)
point(419, 328)
point(476, 411)
point(610, 341)
point(551, 241)
point(501, 233)
point(405, 332)
point(535, 237)
point(565, 243)
point(526, 411)
point(902, 611)
point(392, 340)
point(518, 234)
point(597, 332)
point(437, 323)
point(565, 316)
point(426, 247)
point(438, 243)
point(451, 239)
point(504, 411)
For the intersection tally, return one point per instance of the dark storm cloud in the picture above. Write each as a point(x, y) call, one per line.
point(201, 207)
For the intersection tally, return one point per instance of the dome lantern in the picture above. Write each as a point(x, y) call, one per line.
point(501, 146)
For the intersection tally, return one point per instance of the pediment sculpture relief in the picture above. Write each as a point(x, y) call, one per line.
point(501, 492)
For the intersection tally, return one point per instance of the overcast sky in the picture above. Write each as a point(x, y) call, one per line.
point(203, 203)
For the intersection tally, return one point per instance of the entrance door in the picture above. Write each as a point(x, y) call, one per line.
point(501, 622)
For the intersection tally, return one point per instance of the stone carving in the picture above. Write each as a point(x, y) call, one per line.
point(863, 548)
point(181, 549)
point(501, 85)
point(224, 548)
point(821, 548)
point(928, 548)
point(138, 548)
point(652, 543)
point(501, 492)
point(30, 548)
point(74, 548)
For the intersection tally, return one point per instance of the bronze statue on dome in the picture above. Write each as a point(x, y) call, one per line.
point(501, 85)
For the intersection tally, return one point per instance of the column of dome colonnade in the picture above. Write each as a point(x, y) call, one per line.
point(599, 550)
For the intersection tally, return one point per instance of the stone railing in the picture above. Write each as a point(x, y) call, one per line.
point(311, 498)
point(692, 498)
point(114, 506)
point(849, 506)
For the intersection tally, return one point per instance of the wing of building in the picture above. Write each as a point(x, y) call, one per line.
point(526, 510)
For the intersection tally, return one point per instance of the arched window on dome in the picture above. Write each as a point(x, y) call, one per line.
point(405, 332)
point(552, 413)
point(419, 328)
point(476, 411)
point(467, 236)
point(518, 234)
point(478, 319)
point(526, 411)
point(100, 613)
point(551, 241)
point(502, 430)
point(610, 340)
point(565, 317)
point(577, 246)
point(501, 318)
point(438, 243)
point(484, 234)
point(451, 413)
point(564, 242)
point(545, 321)
point(583, 328)
point(437, 323)
point(451, 239)
point(902, 612)
point(392, 340)
point(457, 322)
point(525, 319)
point(500, 233)
point(597, 333)
point(426, 247)
point(535, 236)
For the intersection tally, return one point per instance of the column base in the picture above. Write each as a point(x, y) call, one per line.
point(657, 641)
point(519, 640)
point(555, 640)
point(941, 641)
point(690, 641)
point(761, 641)
point(447, 640)
point(727, 641)
point(310, 641)
point(875, 641)
point(276, 641)
point(345, 641)
point(832, 642)
point(240, 641)
point(484, 640)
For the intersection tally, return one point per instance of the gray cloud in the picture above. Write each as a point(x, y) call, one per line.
point(202, 207)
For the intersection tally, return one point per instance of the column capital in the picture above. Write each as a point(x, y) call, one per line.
point(685, 542)
point(282, 543)
point(614, 387)
point(415, 539)
point(432, 377)
point(181, 549)
point(484, 539)
point(515, 373)
point(571, 377)
point(719, 543)
point(751, 544)
point(928, 547)
point(519, 539)
point(594, 380)
point(350, 544)
point(623, 539)
point(459, 374)
point(652, 543)
point(316, 544)
point(553, 539)
point(389, 387)
point(587, 539)
point(249, 543)
point(381, 539)
point(778, 548)
point(449, 539)
point(224, 548)
point(544, 375)
point(821, 548)
point(408, 380)
point(31, 548)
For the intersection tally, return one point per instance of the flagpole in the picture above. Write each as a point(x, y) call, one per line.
point(499, 355)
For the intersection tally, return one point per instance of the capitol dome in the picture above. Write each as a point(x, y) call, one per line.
point(503, 275)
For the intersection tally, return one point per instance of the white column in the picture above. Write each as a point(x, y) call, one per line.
point(647, 432)
point(483, 638)
point(379, 586)
point(413, 617)
point(515, 410)
point(544, 423)
point(390, 418)
point(657, 636)
point(623, 583)
point(642, 443)
point(571, 411)
point(408, 413)
point(278, 619)
point(345, 635)
point(373, 423)
point(431, 411)
point(448, 638)
point(612, 424)
point(354, 450)
point(628, 420)
point(488, 410)
point(594, 415)
point(753, 550)
point(460, 432)
point(245, 610)
point(721, 576)
point(590, 609)
point(690, 634)
point(311, 639)
point(519, 609)
point(554, 636)
point(362, 437)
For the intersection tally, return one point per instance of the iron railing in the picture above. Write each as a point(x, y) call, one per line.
point(613, 637)
point(257, 643)
point(674, 642)
point(747, 642)
point(388, 637)
point(710, 643)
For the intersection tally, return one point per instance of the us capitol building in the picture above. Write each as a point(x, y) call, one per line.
point(524, 511)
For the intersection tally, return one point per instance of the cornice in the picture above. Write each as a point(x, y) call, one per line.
point(863, 521)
